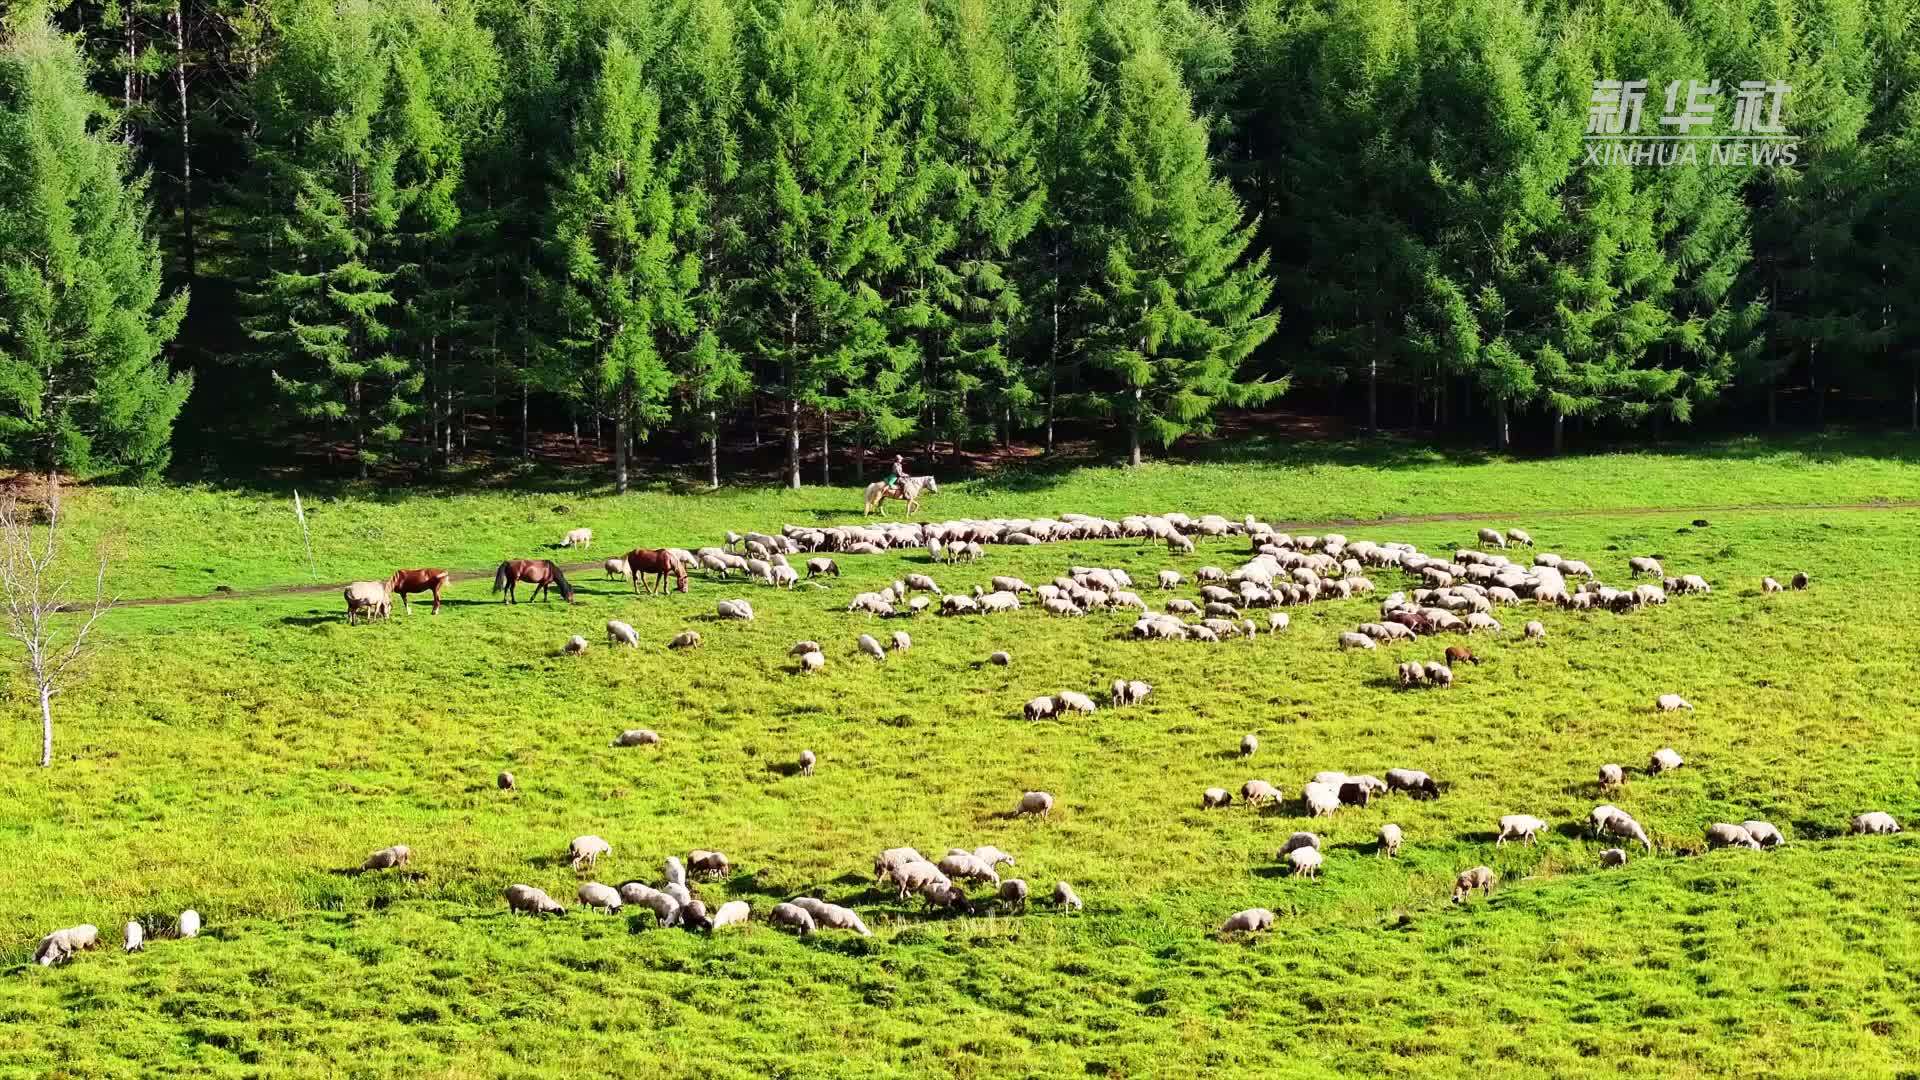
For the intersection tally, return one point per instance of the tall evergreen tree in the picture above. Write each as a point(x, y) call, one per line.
point(83, 322)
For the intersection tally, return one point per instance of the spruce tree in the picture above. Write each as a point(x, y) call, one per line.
point(83, 322)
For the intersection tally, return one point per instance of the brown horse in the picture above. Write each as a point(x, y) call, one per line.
point(538, 572)
point(412, 581)
point(656, 561)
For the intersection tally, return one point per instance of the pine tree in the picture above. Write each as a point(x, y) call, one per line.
point(83, 322)
point(1178, 310)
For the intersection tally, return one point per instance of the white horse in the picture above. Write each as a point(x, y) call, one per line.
point(910, 488)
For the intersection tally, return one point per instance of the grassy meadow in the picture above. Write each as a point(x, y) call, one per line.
point(240, 756)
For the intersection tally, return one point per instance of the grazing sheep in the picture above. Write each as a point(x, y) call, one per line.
point(1520, 827)
point(1258, 792)
point(802, 648)
point(1768, 585)
point(665, 906)
point(1351, 640)
point(1621, 823)
point(794, 918)
point(999, 658)
point(1763, 833)
point(783, 575)
point(1645, 564)
point(526, 898)
point(1671, 703)
point(693, 916)
point(1013, 893)
point(806, 763)
point(1480, 877)
point(1460, 654)
point(707, 864)
point(1130, 693)
point(1413, 782)
point(616, 568)
point(1720, 834)
point(685, 639)
point(1305, 861)
point(135, 935)
point(1412, 674)
point(812, 662)
point(619, 633)
point(1519, 537)
point(388, 858)
point(732, 913)
point(835, 917)
point(1170, 579)
point(1613, 856)
point(1035, 802)
point(923, 583)
point(1248, 921)
point(1064, 896)
point(674, 872)
point(1692, 583)
point(1213, 798)
point(1439, 674)
point(575, 645)
point(580, 538)
point(505, 780)
point(1492, 538)
point(901, 642)
point(1612, 776)
point(365, 599)
point(815, 567)
point(188, 925)
point(1877, 823)
point(1321, 799)
point(59, 946)
point(1480, 620)
point(1536, 630)
point(1277, 622)
point(1800, 580)
point(1040, 708)
point(1354, 793)
point(1296, 841)
point(1078, 702)
point(599, 897)
point(1663, 760)
point(734, 609)
point(871, 647)
point(1390, 839)
point(1177, 606)
point(584, 851)
point(637, 737)
point(1248, 744)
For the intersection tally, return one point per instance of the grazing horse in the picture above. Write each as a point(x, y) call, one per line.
point(910, 488)
point(656, 561)
point(412, 581)
point(537, 572)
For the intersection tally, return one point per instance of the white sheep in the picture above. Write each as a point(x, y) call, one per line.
point(1536, 630)
point(1077, 702)
point(673, 871)
point(1013, 893)
point(901, 642)
point(1305, 861)
point(1035, 802)
point(1520, 827)
point(580, 538)
point(1878, 822)
point(1664, 760)
point(871, 647)
point(1671, 703)
point(1612, 776)
point(1248, 744)
point(1479, 877)
point(388, 858)
point(1130, 693)
point(59, 946)
point(619, 633)
point(1763, 833)
point(1277, 622)
point(1768, 585)
point(531, 900)
point(1721, 834)
point(1645, 564)
point(795, 918)
point(1351, 640)
point(1214, 797)
point(685, 639)
point(1519, 537)
point(575, 645)
point(734, 609)
point(1390, 837)
point(1613, 856)
point(732, 913)
point(638, 737)
point(599, 897)
point(188, 924)
point(1040, 708)
point(812, 662)
point(1321, 799)
point(1064, 896)
point(1414, 782)
point(1492, 538)
point(1258, 792)
point(1170, 579)
point(135, 935)
point(1248, 921)
point(584, 851)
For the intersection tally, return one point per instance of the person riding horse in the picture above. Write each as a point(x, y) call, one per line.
point(896, 477)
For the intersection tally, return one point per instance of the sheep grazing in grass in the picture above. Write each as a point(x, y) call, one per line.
point(871, 647)
point(1492, 538)
point(1646, 565)
point(135, 936)
point(532, 901)
point(1671, 703)
point(1390, 837)
point(1277, 622)
point(1612, 776)
point(674, 871)
point(584, 851)
point(834, 917)
point(806, 763)
point(1763, 833)
point(598, 897)
point(1876, 823)
point(1013, 893)
point(638, 737)
point(1321, 799)
point(1536, 630)
point(1692, 583)
point(506, 781)
point(1296, 841)
point(1621, 823)
point(802, 648)
point(685, 639)
point(1460, 654)
point(188, 924)
point(1258, 792)
point(1075, 701)
point(1800, 580)
point(1721, 834)
point(1414, 782)
point(707, 864)
point(1520, 827)
point(812, 662)
point(792, 918)
point(1613, 856)
point(816, 568)
point(619, 633)
point(734, 609)
point(1177, 606)
point(59, 946)
point(1480, 877)
point(389, 858)
point(1305, 861)
point(1249, 921)
point(1170, 579)
point(1035, 802)
point(1664, 759)
point(575, 645)
point(999, 658)
point(923, 583)
point(732, 913)
point(1354, 793)
point(616, 568)
point(1065, 897)
point(1519, 538)
point(1040, 708)
point(1351, 640)
point(1412, 673)
point(1768, 585)
point(1248, 744)
point(693, 916)
point(1130, 693)
point(665, 906)
point(1215, 797)
point(901, 642)
point(1439, 674)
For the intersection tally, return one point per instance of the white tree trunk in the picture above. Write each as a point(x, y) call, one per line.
point(46, 726)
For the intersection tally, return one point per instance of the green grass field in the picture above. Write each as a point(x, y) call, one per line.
point(237, 756)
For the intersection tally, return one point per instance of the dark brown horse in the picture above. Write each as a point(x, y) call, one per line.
point(537, 572)
point(412, 581)
point(656, 561)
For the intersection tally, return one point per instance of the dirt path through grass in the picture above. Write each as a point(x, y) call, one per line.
point(1284, 526)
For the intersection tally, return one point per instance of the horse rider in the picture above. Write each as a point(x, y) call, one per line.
point(897, 478)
